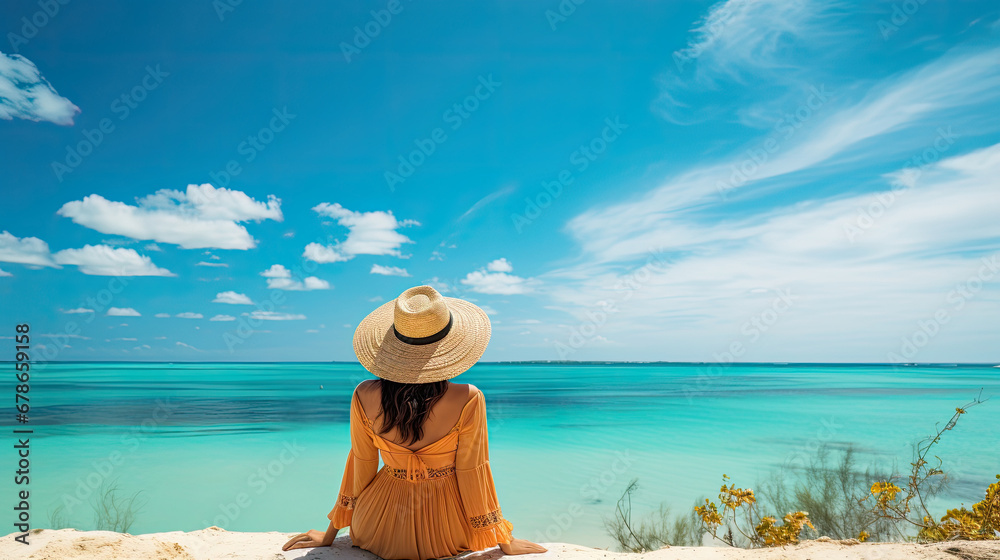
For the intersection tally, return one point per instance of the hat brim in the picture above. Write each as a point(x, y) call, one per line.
point(385, 356)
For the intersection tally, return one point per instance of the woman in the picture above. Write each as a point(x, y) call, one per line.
point(434, 495)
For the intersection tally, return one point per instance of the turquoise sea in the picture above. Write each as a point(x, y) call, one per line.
point(261, 447)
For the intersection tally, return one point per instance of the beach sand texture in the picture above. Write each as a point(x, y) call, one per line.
point(217, 544)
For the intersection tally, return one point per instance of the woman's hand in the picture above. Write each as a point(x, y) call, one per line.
point(310, 539)
point(521, 546)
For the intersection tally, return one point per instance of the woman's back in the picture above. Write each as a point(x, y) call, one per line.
point(441, 420)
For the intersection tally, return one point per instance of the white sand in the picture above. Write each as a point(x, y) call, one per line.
point(217, 544)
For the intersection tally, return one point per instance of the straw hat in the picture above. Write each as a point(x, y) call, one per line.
point(422, 337)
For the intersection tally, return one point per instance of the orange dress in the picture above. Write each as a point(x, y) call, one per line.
point(435, 502)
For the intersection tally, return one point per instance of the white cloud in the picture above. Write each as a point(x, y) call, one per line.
point(189, 315)
point(369, 233)
point(64, 335)
point(312, 331)
point(325, 253)
point(102, 260)
point(899, 114)
point(863, 283)
point(211, 203)
point(500, 265)
point(274, 316)
point(185, 345)
point(389, 270)
point(28, 250)
point(495, 279)
point(280, 278)
point(205, 263)
point(232, 298)
point(26, 94)
point(127, 339)
point(4, 273)
point(162, 315)
point(152, 247)
point(123, 312)
point(223, 318)
point(78, 310)
point(277, 271)
point(201, 217)
point(307, 284)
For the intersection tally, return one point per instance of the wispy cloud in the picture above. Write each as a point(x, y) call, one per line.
point(223, 318)
point(389, 270)
point(189, 315)
point(65, 335)
point(26, 94)
point(912, 101)
point(740, 42)
point(928, 237)
point(504, 191)
point(274, 316)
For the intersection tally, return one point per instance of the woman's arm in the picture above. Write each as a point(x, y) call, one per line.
point(331, 534)
point(476, 488)
point(359, 470)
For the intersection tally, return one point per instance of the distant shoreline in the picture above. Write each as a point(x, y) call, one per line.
point(546, 362)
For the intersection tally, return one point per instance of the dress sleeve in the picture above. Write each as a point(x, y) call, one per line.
point(362, 464)
point(475, 481)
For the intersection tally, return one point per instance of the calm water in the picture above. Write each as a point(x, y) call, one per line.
point(199, 440)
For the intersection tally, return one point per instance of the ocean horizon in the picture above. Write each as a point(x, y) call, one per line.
point(261, 446)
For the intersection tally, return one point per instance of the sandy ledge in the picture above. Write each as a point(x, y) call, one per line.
point(217, 544)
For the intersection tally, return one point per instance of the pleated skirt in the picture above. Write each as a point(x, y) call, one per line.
point(398, 519)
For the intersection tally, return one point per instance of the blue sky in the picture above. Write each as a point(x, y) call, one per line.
point(685, 181)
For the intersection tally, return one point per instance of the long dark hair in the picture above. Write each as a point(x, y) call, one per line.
point(405, 406)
